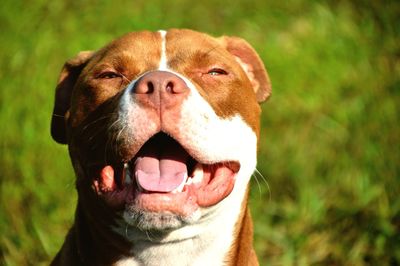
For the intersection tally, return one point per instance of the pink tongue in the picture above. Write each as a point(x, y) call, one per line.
point(161, 165)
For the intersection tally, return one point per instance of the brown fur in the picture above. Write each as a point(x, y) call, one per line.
point(80, 119)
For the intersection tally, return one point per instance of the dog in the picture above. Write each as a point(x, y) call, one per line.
point(162, 130)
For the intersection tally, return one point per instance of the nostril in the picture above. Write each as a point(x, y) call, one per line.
point(170, 87)
point(144, 87)
point(150, 87)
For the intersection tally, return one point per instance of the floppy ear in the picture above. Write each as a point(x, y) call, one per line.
point(251, 64)
point(66, 82)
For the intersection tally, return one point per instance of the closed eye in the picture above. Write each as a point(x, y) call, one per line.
point(217, 72)
point(109, 75)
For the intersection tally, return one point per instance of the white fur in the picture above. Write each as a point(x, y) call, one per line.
point(134, 123)
point(163, 59)
point(212, 139)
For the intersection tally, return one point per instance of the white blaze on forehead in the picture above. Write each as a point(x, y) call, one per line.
point(163, 59)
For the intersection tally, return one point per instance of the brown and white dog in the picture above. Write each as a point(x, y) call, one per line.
point(162, 129)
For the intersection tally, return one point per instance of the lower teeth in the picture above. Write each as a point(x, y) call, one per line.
point(180, 187)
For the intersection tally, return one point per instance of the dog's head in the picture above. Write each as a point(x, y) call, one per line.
point(162, 127)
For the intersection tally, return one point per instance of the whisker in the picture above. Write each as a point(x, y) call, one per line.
point(126, 231)
point(95, 121)
point(116, 131)
point(114, 123)
point(148, 235)
point(258, 185)
point(110, 128)
point(257, 174)
point(118, 137)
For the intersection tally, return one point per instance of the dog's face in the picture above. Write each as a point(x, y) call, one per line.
point(162, 127)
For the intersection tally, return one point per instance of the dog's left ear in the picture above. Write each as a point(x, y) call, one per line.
point(66, 82)
point(251, 64)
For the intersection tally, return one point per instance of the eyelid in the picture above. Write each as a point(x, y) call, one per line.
point(109, 74)
point(216, 71)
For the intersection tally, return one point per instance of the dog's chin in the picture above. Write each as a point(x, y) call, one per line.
point(157, 221)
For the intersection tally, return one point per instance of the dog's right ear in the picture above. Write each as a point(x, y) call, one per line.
point(66, 82)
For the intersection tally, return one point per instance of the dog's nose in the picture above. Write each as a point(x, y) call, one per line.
point(160, 81)
point(160, 88)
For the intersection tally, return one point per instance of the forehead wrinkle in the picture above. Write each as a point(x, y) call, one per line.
point(187, 48)
point(209, 51)
point(197, 55)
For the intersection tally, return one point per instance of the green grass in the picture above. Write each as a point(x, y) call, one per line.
point(331, 131)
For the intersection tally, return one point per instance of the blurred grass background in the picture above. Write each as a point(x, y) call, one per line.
point(330, 141)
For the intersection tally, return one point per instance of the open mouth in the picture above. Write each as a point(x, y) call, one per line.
point(163, 176)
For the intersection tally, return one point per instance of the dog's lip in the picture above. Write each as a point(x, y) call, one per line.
point(118, 184)
point(189, 160)
point(216, 183)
